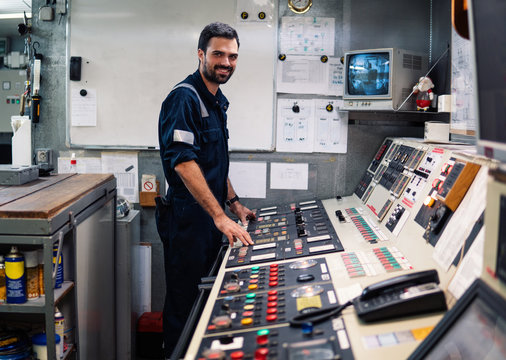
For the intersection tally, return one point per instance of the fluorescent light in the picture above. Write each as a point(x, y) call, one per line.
point(12, 16)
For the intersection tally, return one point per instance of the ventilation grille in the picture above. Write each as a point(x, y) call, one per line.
point(413, 62)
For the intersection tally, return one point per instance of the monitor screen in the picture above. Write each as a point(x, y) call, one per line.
point(369, 74)
point(479, 333)
point(475, 328)
point(488, 18)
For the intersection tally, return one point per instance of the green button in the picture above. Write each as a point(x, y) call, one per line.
point(250, 296)
point(263, 332)
point(255, 268)
point(249, 301)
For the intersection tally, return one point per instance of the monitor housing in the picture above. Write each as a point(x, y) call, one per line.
point(381, 79)
point(487, 18)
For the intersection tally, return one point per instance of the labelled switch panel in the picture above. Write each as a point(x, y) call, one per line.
point(459, 179)
point(379, 155)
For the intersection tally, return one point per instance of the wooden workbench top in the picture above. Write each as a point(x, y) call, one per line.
point(47, 196)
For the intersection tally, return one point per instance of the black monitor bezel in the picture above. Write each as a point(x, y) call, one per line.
point(478, 289)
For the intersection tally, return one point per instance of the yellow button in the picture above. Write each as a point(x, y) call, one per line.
point(253, 286)
point(247, 321)
point(254, 276)
point(249, 307)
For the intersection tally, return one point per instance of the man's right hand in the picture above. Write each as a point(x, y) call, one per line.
point(232, 230)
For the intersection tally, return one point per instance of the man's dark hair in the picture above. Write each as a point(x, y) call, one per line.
point(217, 29)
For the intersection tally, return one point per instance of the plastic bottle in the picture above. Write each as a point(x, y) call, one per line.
point(73, 164)
point(39, 345)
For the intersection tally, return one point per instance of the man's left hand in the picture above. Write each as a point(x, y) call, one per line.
point(242, 212)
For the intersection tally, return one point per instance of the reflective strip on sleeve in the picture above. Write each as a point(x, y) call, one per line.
point(183, 136)
point(203, 108)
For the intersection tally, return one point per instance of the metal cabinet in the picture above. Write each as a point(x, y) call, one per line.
point(77, 212)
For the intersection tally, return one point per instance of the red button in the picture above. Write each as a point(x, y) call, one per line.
point(273, 273)
point(211, 327)
point(273, 278)
point(272, 298)
point(253, 281)
point(261, 353)
point(273, 283)
point(272, 317)
point(262, 339)
point(274, 265)
point(272, 310)
point(237, 355)
point(272, 304)
point(272, 292)
point(247, 314)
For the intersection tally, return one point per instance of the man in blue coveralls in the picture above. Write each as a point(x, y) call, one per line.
point(193, 137)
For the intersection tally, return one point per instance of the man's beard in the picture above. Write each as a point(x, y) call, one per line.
point(212, 76)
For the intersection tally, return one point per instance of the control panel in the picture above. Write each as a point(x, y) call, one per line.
point(311, 256)
point(13, 86)
point(287, 232)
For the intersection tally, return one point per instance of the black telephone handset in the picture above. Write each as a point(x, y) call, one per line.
point(408, 294)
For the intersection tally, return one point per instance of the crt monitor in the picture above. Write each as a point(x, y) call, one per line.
point(475, 328)
point(487, 29)
point(381, 79)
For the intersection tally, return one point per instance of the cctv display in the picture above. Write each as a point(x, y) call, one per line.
point(368, 74)
point(381, 79)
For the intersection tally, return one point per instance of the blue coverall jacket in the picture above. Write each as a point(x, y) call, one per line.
point(190, 127)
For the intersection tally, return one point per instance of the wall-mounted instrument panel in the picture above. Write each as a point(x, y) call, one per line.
point(370, 252)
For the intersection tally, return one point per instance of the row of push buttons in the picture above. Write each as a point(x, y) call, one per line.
point(252, 303)
point(257, 279)
point(266, 346)
point(386, 258)
point(353, 265)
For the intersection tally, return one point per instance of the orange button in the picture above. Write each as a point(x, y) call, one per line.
point(252, 286)
point(247, 321)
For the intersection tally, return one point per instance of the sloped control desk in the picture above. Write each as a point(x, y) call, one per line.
point(75, 212)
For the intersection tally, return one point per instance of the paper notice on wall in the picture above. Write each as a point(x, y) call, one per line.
point(307, 35)
point(295, 125)
point(336, 77)
point(292, 176)
point(124, 167)
point(302, 75)
point(331, 127)
point(84, 165)
point(83, 107)
point(249, 178)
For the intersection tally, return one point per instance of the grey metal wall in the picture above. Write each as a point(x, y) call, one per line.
point(359, 24)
